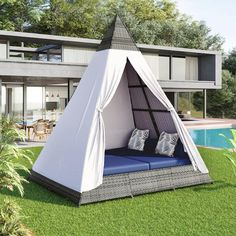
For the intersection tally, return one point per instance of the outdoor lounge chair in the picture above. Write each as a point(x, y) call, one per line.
point(117, 93)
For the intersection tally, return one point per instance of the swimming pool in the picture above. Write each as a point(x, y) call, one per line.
point(211, 137)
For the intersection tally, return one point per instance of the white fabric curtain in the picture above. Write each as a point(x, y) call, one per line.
point(145, 73)
point(73, 144)
point(93, 167)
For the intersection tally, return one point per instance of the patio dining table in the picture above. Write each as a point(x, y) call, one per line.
point(27, 125)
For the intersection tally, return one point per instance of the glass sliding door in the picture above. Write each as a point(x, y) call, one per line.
point(17, 102)
point(35, 103)
point(3, 100)
point(191, 104)
point(12, 101)
point(56, 101)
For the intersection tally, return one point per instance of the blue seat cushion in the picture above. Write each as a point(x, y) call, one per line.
point(118, 165)
point(156, 162)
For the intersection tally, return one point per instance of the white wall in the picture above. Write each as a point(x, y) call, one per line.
point(164, 68)
point(77, 55)
point(153, 62)
point(118, 117)
point(159, 65)
point(3, 51)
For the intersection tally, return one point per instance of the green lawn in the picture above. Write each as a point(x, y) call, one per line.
point(200, 210)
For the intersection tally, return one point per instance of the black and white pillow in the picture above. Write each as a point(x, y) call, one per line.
point(137, 139)
point(166, 144)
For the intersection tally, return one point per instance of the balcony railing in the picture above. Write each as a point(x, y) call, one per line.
point(52, 53)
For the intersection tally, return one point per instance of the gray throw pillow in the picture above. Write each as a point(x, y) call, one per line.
point(137, 139)
point(166, 144)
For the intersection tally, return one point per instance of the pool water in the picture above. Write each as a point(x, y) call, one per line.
point(211, 137)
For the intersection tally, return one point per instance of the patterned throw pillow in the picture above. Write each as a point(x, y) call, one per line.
point(166, 144)
point(137, 139)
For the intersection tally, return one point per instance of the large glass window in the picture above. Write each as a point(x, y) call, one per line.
point(35, 103)
point(164, 68)
point(17, 102)
point(191, 68)
point(56, 101)
point(41, 102)
point(178, 68)
point(190, 104)
point(46, 102)
point(12, 100)
point(3, 100)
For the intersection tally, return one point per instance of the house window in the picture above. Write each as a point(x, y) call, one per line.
point(178, 68)
point(190, 104)
point(164, 67)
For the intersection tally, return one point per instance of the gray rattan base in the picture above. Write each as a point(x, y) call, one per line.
point(131, 184)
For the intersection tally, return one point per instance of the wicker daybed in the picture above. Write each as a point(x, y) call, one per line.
point(128, 173)
point(117, 93)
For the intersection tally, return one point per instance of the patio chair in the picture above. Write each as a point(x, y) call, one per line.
point(39, 130)
point(19, 126)
point(49, 127)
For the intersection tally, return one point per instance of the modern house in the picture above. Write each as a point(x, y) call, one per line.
point(39, 73)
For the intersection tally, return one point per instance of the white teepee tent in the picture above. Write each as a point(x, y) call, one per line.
point(74, 153)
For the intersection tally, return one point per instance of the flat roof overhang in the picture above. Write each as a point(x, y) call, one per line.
point(33, 81)
point(37, 69)
point(93, 43)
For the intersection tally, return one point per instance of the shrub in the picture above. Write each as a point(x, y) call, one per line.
point(10, 166)
point(10, 220)
point(230, 153)
point(10, 155)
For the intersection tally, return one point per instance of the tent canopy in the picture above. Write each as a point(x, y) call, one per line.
point(117, 93)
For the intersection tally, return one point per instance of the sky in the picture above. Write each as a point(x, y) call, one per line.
point(219, 15)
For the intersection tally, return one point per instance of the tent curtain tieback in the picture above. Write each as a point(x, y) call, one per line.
point(171, 109)
point(100, 110)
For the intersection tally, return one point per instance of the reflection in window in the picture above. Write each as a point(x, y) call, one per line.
point(56, 101)
point(17, 102)
point(190, 104)
point(46, 103)
point(35, 103)
point(3, 99)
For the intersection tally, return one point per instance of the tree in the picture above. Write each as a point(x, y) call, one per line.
point(69, 18)
point(151, 22)
point(230, 62)
point(222, 102)
point(18, 15)
point(159, 22)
